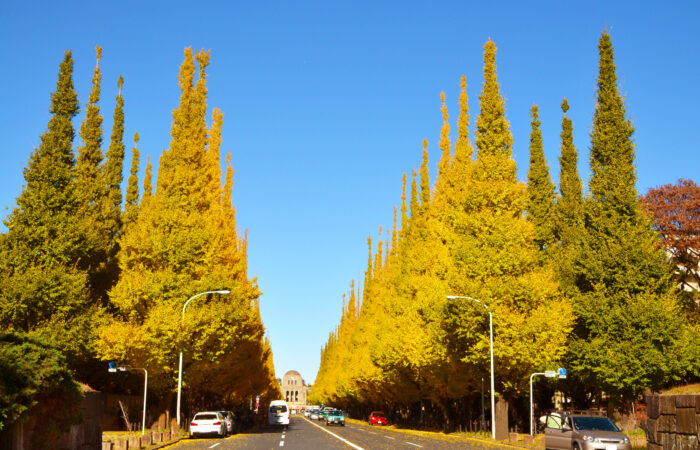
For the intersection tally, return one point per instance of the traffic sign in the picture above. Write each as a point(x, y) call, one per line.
point(562, 372)
point(550, 373)
point(112, 366)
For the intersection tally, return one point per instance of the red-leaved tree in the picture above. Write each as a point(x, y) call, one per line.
point(676, 211)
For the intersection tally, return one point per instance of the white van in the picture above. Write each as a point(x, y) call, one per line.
point(278, 414)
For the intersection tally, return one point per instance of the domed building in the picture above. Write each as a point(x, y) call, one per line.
point(294, 390)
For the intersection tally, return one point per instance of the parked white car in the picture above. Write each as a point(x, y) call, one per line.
point(208, 422)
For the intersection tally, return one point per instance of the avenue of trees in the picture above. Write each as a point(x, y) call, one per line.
point(98, 276)
point(573, 279)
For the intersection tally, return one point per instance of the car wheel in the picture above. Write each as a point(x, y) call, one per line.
point(576, 446)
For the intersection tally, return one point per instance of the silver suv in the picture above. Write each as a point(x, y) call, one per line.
point(583, 432)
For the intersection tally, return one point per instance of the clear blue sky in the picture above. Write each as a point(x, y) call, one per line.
point(326, 105)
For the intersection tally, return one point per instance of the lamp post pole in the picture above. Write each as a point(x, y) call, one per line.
point(179, 370)
point(532, 413)
point(493, 396)
point(145, 390)
point(482, 405)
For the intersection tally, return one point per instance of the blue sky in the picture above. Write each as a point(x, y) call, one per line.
point(326, 105)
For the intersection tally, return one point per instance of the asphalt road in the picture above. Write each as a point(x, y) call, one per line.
point(304, 434)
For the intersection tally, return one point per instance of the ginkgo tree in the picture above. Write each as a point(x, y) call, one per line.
point(410, 346)
point(181, 240)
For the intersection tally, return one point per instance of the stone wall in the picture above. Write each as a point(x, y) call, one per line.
point(83, 436)
point(673, 423)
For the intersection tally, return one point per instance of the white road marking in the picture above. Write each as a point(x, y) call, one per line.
point(215, 445)
point(389, 437)
point(281, 443)
point(416, 445)
point(372, 432)
point(335, 435)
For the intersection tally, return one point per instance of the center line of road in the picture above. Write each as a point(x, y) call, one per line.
point(372, 432)
point(335, 435)
point(389, 437)
point(416, 445)
point(215, 445)
point(281, 443)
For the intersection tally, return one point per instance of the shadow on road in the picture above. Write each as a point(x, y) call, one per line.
point(269, 429)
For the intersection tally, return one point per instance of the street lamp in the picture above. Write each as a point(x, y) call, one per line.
point(179, 371)
point(493, 397)
point(113, 368)
point(561, 373)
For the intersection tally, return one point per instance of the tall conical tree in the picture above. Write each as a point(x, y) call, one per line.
point(463, 150)
point(184, 242)
point(90, 187)
point(132, 189)
point(540, 189)
point(90, 153)
point(113, 167)
point(108, 271)
point(424, 179)
point(628, 328)
point(570, 201)
point(444, 185)
point(42, 290)
point(147, 181)
point(496, 261)
point(569, 207)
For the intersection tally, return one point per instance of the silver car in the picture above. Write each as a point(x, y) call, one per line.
point(583, 432)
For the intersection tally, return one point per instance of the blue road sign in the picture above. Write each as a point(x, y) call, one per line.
point(562, 371)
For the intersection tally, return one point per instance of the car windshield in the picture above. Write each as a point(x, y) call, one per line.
point(595, 423)
point(205, 417)
point(378, 414)
point(278, 408)
point(335, 413)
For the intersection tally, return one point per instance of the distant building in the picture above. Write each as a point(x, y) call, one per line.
point(294, 389)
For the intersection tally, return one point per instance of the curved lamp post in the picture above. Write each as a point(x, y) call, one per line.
point(561, 373)
point(179, 371)
point(493, 398)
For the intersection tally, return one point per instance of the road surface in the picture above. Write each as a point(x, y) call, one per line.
point(305, 434)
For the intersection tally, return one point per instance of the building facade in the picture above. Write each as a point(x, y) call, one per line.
point(294, 390)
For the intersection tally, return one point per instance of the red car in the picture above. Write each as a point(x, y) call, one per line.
point(377, 418)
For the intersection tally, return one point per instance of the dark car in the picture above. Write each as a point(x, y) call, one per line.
point(228, 417)
point(377, 418)
point(335, 416)
point(583, 432)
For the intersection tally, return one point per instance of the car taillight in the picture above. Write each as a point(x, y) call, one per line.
point(193, 424)
point(216, 423)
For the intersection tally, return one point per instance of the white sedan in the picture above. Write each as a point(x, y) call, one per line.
point(209, 422)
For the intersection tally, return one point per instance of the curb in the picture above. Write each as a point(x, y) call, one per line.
point(492, 443)
point(167, 444)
